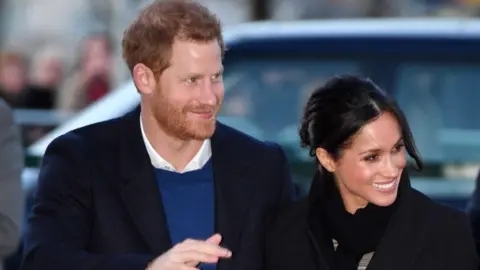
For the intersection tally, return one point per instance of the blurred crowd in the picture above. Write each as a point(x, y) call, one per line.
point(43, 80)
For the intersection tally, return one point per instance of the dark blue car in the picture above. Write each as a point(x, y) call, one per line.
point(431, 67)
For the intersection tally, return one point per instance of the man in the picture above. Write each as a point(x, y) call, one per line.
point(11, 195)
point(166, 186)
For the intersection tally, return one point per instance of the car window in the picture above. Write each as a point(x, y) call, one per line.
point(270, 95)
point(439, 101)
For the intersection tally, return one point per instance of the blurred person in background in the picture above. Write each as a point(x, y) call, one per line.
point(11, 195)
point(362, 212)
point(91, 77)
point(13, 78)
point(46, 74)
point(35, 87)
point(166, 186)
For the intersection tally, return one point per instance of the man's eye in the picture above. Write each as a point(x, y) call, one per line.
point(192, 80)
point(217, 76)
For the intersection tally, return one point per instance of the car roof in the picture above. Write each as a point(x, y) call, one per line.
point(126, 98)
point(408, 27)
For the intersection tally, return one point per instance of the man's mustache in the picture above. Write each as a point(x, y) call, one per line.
point(201, 109)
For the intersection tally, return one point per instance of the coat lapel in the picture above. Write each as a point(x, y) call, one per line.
point(323, 253)
point(232, 190)
point(398, 248)
point(140, 192)
point(320, 240)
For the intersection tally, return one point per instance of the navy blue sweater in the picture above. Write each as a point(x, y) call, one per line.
point(188, 202)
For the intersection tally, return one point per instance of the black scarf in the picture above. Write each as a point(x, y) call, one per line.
point(356, 234)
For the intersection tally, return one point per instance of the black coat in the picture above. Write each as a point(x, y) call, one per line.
point(98, 205)
point(421, 235)
point(474, 213)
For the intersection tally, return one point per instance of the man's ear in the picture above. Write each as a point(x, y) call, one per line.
point(325, 159)
point(144, 79)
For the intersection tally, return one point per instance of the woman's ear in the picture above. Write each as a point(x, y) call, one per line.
point(325, 159)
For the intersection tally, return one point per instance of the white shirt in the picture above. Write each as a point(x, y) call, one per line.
point(198, 161)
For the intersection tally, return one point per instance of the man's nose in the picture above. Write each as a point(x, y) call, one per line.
point(207, 93)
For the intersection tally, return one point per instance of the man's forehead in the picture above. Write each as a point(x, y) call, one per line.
point(199, 57)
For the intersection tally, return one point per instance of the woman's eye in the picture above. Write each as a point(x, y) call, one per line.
point(371, 158)
point(398, 148)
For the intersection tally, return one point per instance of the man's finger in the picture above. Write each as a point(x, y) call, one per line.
point(211, 249)
point(204, 247)
point(215, 239)
point(194, 257)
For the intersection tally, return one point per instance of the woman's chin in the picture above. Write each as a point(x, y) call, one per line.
point(384, 200)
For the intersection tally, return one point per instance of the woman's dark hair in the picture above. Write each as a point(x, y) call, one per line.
point(337, 110)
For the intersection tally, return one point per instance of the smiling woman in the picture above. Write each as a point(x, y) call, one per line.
point(361, 202)
point(358, 136)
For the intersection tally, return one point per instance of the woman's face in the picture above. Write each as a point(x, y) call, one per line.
point(369, 170)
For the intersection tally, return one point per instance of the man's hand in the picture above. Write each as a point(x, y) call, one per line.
point(188, 254)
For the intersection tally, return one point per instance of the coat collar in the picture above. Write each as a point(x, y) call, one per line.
point(398, 237)
point(399, 240)
point(198, 161)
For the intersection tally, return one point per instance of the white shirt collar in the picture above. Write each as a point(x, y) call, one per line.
point(198, 161)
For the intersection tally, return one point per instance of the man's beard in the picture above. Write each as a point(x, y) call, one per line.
point(174, 120)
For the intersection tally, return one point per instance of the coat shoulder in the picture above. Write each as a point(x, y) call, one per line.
point(431, 212)
point(246, 141)
point(447, 230)
point(437, 221)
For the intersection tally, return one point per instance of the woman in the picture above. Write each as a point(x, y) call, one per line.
point(361, 212)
